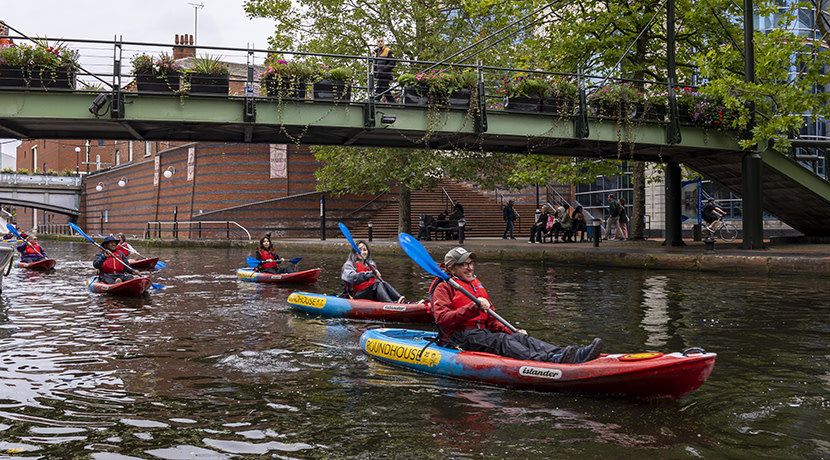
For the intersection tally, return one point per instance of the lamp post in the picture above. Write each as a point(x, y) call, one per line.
point(596, 223)
point(370, 230)
point(77, 160)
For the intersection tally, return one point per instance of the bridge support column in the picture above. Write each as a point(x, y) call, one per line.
point(753, 211)
point(674, 232)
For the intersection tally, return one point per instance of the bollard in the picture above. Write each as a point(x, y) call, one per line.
point(461, 231)
point(696, 234)
point(710, 245)
point(597, 236)
point(370, 230)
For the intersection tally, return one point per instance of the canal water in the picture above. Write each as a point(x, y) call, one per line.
point(212, 367)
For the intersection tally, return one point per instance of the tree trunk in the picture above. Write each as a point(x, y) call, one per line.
point(404, 209)
point(638, 181)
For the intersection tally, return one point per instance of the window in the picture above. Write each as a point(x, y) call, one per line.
point(148, 150)
point(117, 157)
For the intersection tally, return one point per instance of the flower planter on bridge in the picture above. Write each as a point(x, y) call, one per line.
point(12, 76)
point(415, 95)
point(282, 88)
point(46, 77)
point(206, 83)
point(167, 83)
point(558, 105)
point(460, 99)
point(332, 90)
point(523, 104)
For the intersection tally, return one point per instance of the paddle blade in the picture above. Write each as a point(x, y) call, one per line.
point(416, 251)
point(252, 262)
point(13, 230)
point(80, 232)
point(159, 265)
point(156, 286)
point(295, 260)
point(345, 231)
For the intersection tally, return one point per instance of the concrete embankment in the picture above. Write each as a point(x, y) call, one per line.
point(774, 259)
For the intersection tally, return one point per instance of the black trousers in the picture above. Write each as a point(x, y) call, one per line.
point(383, 88)
point(278, 270)
point(517, 346)
point(380, 290)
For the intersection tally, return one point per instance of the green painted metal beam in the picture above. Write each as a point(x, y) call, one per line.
point(66, 115)
point(799, 174)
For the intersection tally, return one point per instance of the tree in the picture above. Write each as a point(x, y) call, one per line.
point(415, 29)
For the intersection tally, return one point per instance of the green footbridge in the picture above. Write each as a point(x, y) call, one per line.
point(790, 192)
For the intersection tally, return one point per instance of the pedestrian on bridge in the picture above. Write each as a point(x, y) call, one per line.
point(383, 72)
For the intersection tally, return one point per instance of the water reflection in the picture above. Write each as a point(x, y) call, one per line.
point(225, 369)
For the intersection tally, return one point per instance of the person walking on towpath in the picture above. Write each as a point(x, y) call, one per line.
point(509, 216)
point(466, 325)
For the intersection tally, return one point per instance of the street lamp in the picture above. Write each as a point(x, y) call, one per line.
point(77, 160)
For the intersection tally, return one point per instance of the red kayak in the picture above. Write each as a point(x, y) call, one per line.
point(303, 277)
point(144, 263)
point(651, 375)
point(132, 288)
point(42, 264)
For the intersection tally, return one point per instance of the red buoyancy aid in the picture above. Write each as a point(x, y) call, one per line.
point(361, 267)
point(458, 301)
point(122, 249)
point(111, 265)
point(33, 249)
point(267, 255)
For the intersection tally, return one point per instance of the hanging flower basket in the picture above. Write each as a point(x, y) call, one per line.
point(415, 95)
point(560, 105)
point(460, 99)
point(45, 77)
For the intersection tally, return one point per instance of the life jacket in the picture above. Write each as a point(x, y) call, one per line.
point(122, 249)
point(267, 255)
point(459, 299)
point(111, 265)
point(33, 249)
point(361, 267)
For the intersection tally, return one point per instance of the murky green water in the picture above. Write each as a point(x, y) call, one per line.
point(212, 367)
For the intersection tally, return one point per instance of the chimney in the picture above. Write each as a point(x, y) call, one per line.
point(184, 47)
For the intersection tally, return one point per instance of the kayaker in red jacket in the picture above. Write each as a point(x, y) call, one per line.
point(360, 281)
point(269, 259)
point(30, 250)
point(464, 324)
point(113, 267)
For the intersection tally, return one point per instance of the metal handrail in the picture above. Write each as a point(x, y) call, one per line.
point(176, 223)
point(364, 205)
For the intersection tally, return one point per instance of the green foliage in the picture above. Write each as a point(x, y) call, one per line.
point(342, 73)
point(407, 79)
point(210, 65)
point(563, 87)
point(279, 69)
point(615, 93)
point(40, 54)
point(543, 169)
point(8, 170)
point(524, 86)
point(147, 64)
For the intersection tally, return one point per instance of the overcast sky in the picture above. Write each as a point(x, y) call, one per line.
point(221, 23)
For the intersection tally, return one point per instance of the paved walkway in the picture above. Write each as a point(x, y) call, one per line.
point(775, 258)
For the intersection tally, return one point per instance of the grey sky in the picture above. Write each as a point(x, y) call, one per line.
point(222, 23)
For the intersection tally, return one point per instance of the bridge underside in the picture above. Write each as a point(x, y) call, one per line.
point(42, 206)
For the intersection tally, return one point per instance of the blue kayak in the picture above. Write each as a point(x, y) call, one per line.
point(340, 307)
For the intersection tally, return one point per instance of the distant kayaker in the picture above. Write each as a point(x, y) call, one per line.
point(30, 250)
point(464, 324)
point(269, 260)
point(360, 280)
point(126, 248)
point(113, 267)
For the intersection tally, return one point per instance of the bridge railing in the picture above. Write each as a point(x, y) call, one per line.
point(196, 228)
point(40, 179)
point(55, 229)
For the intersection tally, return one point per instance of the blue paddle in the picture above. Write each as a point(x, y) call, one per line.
point(416, 251)
point(159, 265)
point(254, 263)
point(15, 233)
point(127, 266)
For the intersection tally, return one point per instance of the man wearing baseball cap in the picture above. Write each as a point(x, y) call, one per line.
point(464, 324)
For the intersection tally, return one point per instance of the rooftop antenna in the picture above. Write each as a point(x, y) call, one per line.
point(196, 8)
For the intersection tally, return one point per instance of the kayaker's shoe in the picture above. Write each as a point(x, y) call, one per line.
point(568, 355)
point(402, 300)
point(590, 352)
point(117, 281)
